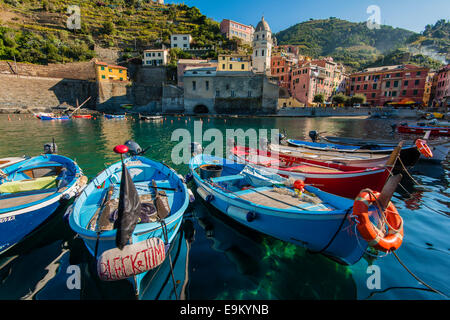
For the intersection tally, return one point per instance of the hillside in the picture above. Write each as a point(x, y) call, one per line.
point(35, 31)
point(352, 44)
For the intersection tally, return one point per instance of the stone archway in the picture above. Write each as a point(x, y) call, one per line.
point(201, 109)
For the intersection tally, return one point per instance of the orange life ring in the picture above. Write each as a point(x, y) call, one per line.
point(424, 149)
point(375, 237)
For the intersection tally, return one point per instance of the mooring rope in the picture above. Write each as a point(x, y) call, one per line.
point(411, 195)
point(401, 263)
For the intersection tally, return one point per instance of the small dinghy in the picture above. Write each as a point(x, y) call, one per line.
point(82, 116)
point(39, 115)
point(342, 180)
point(299, 214)
point(55, 118)
point(115, 116)
point(128, 218)
point(31, 191)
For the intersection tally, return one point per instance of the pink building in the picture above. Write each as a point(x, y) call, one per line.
point(232, 29)
point(443, 86)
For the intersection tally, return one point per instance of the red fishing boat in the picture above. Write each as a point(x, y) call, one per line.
point(82, 116)
point(338, 179)
point(434, 131)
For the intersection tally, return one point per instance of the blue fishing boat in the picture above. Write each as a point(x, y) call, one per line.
point(53, 118)
point(163, 197)
point(115, 116)
point(31, 191)
point(342, 148)
point(268, 203)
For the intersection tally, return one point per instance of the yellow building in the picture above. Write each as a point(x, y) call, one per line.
point(106, 72)
point(234, 63)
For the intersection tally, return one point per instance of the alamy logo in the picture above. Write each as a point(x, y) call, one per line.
point(74, 279)
point(374, 281)
point(74, 20)
point(374, 21)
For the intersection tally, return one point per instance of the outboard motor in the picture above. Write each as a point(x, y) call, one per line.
point(314, 136)
point(50, 148)
point(133, 148)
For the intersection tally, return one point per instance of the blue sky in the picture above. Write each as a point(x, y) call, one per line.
point(413, 15)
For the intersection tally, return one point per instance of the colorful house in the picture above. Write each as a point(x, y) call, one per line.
point(234, 63)
point(107, 72)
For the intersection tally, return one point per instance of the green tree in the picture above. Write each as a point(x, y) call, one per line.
point(358, 99)
point(339, 98)
point(319, 98)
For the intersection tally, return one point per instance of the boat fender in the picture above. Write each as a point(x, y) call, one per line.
point(423, 148)
point(390, 241)
point(251, 216)
point(116, 264)
point(209, 198)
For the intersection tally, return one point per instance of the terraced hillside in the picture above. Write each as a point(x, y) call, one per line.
point(36, 31)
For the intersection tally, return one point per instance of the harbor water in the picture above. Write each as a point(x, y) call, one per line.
point(213, 256)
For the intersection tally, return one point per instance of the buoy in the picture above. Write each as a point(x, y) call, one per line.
point(9, 119)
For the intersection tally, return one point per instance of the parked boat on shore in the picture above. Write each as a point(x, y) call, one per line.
point(303, 215)
point(97, 215)
point(31, 191)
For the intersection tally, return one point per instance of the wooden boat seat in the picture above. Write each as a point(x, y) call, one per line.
point(228, 178)
point(271, 198)
point(16, 201)
point(310, 169)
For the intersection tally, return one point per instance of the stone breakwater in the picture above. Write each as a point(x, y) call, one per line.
point(27, 94)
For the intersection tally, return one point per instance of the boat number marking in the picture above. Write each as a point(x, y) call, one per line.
point(7, 219)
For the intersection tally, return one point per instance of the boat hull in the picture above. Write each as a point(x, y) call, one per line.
point(422, 130)
point(84, 116)
point(45, 118)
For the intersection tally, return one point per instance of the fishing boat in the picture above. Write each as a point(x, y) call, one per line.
point(299, 214)
point(439, 148)
point(55, 118)
point(6, 162)
point(416, 129)
point(150, 118)
point(39, 115)
point(360, 160)
point(409, 154)
point(97, 218)
point(82, 116)
point(342, 180)
point(115, 116)
point(31, 191)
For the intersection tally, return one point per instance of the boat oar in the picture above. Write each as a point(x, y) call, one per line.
point(388, 191)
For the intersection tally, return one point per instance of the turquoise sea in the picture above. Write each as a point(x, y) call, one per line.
point(214, 257)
